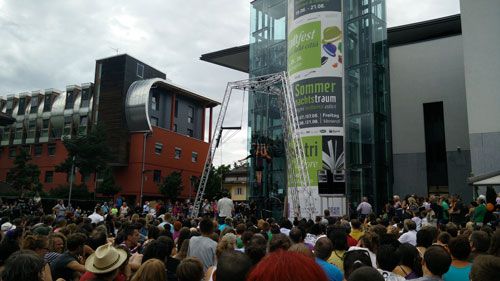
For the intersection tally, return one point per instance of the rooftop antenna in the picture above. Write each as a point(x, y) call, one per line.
point(114, 49)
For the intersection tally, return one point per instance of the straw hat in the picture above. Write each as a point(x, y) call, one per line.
point(105, 259)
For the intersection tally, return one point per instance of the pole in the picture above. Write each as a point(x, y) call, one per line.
point(71, 180)
point(143, 167)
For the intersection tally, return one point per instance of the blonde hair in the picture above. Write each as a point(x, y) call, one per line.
point(226, 243)
point(150, 270)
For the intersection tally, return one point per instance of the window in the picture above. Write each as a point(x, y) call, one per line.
point(85, 98)
point(175, 127)
point(10, 107)
point(84, 120)
point(27, 148)
point(38, 149)
point(51, 149)
point(154, 121)
point(178, 153)
point(70, 99)
point(12, 152)
point(45, 127)
point(34, 105)
point(190, 132)
point(22, 106)
point(49, 176)
point(239, 191)
point(68, 125)
point(194, 157)
point(190, 114)
point(140, 70)
point(31, 129)
point(47, 104)
point(157, 176)
point(155, 101)
point(158, 147)
point(176, 108)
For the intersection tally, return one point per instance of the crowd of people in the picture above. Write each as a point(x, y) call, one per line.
point(435, 238)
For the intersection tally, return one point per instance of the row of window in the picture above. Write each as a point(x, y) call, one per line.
point(177, 152)
point(34, 102)
point(155, 105)
point(35, 150)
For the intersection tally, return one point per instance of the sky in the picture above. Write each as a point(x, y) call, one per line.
point(54, 43)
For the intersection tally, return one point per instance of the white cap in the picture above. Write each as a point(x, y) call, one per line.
point(7, 226)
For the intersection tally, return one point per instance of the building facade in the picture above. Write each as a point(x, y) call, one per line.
point(441, 120)
point(153, 127)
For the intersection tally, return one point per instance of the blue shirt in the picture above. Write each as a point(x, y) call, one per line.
point(457, 273)
point(331, 271)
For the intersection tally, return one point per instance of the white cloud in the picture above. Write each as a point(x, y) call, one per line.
point(51, 44)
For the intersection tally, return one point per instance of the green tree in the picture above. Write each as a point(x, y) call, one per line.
point(79, 191)
point(24, 176)
point(90, 152)
point(171, 186)
point(215, 180)
point(108, 186)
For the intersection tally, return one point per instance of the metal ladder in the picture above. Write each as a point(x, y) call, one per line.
point(273, 84)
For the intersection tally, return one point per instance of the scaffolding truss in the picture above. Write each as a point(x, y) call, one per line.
point(273, 84)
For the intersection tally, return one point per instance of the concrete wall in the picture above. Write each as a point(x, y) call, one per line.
point(481, 38)
point(424, 72)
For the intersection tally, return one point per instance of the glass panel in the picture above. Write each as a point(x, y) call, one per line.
point(22, 106)
point(360, 139)
point(359, 96)
point(356, 8)
point(47, 104)
point(70, 96)
point(358, 42)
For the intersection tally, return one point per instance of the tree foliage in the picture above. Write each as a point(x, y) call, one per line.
point(214, 182)
point(24, 176)
point(108, 186)
point(91, 152)
point(78, 191)
point(171, 186)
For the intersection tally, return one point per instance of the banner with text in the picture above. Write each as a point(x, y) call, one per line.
point(315, 66)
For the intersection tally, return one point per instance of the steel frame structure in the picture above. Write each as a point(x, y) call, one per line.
point(297, 176)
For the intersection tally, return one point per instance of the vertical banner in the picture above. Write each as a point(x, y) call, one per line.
point(315, 67)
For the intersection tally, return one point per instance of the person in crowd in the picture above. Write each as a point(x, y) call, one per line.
point(364, 209)
point(97, 217)
point(182, 252)
point(339, 240)
point(59, 210)
point(124, 209)
point(39, 245)
point(287, 266)
point(257, 248)
point(410, 264)
point(485, 268)
point(107, 263)
point(460, 266)
point(225, 206)
point(151, 270)
point(388, 259)
point(480, 211)
point(57, 246)
point(68, 266)
point(435, 264)
point(366, 273)
point(232, 266)
point(10, 243)
point(425, 238)
point(323, 250)
point(479, 243)
point(190, 269)
point(355, 259)
point(369, 242)
point(495, 243)
point(356, 229)
point(279, 242)
point(130, 236)
point(410, 236)
point(203, 247)
point(24, 265)
point(302, 249)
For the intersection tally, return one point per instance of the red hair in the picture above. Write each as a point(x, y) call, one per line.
point(287, 266)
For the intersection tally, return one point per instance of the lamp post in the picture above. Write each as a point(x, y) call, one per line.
point(71, 180)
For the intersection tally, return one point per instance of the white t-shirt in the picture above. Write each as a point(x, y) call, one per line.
point(225, 207)
point(409, 237)
point(96, 218)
